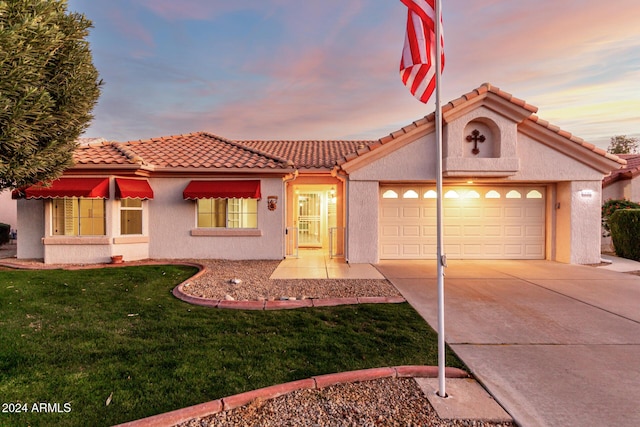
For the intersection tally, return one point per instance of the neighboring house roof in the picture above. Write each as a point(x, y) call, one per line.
point(194, 150)
point(470, 99)
point(630, 171)
point(310, 154)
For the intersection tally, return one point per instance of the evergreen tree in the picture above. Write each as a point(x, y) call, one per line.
point(48, 88)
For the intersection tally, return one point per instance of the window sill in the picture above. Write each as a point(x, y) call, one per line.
point(123, 240)
point(76, 240)
point(227, 232)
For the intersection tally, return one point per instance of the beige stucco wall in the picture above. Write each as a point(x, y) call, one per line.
point(31, 226)
point(172, 220)
point(578, 216)
point(413, 162)
point(362, 223)
point(539, 162)
point(624, 189)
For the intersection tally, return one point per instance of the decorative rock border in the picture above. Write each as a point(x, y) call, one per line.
point(271, 392)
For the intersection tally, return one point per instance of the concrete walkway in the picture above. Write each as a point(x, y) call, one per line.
point(317, 264)
point(555, 344)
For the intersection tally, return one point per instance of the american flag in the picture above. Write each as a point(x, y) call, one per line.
point(418, 63)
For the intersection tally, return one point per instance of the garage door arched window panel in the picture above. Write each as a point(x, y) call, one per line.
point(492, 194)
point(389, 194)
point(472, 194)
point(431, 194)
point(410, 194)
point(534, 194)
point(514, 194)
point(451, 194)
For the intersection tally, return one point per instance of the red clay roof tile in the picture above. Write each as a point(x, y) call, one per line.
point(310, 154)
point(630, 171)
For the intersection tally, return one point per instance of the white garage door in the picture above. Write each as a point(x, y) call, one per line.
point(479, 222)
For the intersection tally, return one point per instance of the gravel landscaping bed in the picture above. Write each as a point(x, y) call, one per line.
point(255, 285)
point(382, 402)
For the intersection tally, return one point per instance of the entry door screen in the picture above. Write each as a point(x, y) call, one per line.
point(309, 219)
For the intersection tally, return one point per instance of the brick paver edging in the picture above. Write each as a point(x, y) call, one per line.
point(179, 293)
point(315, 383)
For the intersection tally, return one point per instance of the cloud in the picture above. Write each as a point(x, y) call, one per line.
point(292, 69)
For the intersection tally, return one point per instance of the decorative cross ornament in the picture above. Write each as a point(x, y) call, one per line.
point(475, 137)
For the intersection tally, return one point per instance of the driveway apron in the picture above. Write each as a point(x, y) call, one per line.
point(555, 344)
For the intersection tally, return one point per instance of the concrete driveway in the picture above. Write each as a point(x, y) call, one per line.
point(555, 344)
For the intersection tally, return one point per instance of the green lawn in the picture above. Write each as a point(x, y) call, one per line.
point(77, 339)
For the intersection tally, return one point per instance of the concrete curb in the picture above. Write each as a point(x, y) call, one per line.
point(179, 293)
point(314, 383)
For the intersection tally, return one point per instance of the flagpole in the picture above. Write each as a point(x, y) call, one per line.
point(441, 259)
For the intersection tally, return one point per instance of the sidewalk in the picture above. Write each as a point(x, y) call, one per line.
point(621, 265)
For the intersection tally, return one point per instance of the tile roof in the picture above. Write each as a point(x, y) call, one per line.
point(630, 171)
point(101, 153)
point(310, 154)
point(194, 150)
point(486, 89)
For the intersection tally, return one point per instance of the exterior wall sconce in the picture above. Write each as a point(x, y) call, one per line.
point(272, 202)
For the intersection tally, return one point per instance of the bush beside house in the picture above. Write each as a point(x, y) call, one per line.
point(608, 209)
point(625, 233)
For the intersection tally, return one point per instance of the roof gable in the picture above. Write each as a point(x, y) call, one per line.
point(500, 102)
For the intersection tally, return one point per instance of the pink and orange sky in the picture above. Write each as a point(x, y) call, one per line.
point(329, 69)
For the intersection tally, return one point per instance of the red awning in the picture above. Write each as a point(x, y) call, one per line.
point(133, 189)
point(222, 190)
point(95, 188)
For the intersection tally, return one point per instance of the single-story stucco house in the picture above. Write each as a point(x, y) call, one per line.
point(515, 187)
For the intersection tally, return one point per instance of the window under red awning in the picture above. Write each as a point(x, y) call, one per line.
point(133, 189)
point(222, 190)
point(95, 188)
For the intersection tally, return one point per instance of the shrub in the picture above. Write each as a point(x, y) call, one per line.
point(609, 207)
point(5, 230)
point(625, 233)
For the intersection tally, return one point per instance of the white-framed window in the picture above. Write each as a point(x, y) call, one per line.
point(227, 213)
point(78, 216)
point(130, 216)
